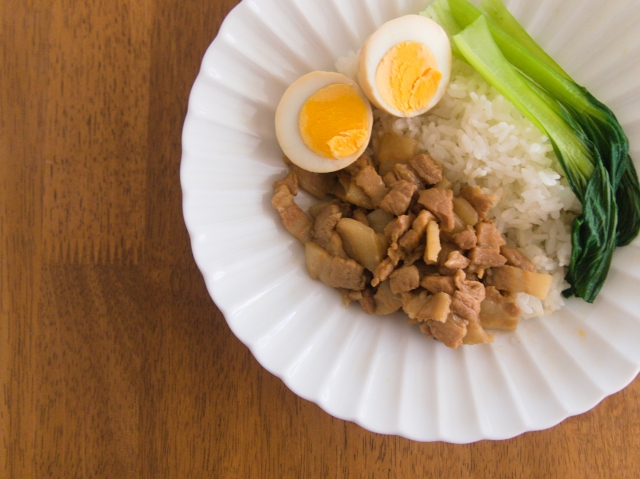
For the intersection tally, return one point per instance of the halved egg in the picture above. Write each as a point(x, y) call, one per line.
point(323, 122)
point(405, 65)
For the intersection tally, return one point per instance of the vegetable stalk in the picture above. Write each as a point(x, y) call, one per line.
point(587, 138)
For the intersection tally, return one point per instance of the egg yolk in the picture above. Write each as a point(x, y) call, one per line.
point(333, 122)
point(407, 77)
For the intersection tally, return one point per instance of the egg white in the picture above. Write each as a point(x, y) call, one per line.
point(287, 117)
point(409, 28)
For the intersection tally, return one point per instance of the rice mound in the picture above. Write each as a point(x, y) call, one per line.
point(481, 139)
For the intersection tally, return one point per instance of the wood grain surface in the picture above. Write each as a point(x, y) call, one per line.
point(114, 361)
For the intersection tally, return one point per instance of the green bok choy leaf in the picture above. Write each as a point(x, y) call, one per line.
point(588, 140)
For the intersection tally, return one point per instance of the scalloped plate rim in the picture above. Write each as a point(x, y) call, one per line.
point(187, 196)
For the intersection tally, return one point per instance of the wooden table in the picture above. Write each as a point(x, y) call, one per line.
point(114, 361)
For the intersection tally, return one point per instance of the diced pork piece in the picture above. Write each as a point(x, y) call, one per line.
point(371, 183)
point(437, 308)
point(390, 178)
point(362, 161)
point(367, 302)
point(466, 304)
point(335, 247)
point(397, 227)
point(516, 280)
point(397, 200)
point(456, 261)
point(517, 259)
point(293, 218)
point(409, 242)
point(406, 172)
point(290, 181)
point(383, 270)
point(487, 252)
point(349, 297)
point(404, 279)
point(443, 256)
point(315, 209)
point(481, 201)
point(427, 169)
point(414, 257)
point(360, 215)
point(483, 257)
point(440, 202)
point(333, 271)
point(419, 224)
point(412, 303)
point(317, 184)
point(439, 284)
point(433, 247)
point(386, 302)
point(468, 297)
point(451, 332)
point(424, 329)
point(324, 230)
point(458, 227)
point(347, 190)
point(466, 239)
point(427, 269)
point(489, 236)
point(422, 306)
point(345, 208)
point(499, 311)
point(395, 254)
point(364, 297)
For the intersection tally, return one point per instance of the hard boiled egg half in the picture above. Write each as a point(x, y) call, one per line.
point(323, 122)
point(404, 66)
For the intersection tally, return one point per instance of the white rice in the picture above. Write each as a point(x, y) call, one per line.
point(481, 139)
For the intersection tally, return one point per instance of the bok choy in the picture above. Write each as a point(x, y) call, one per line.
point(587, 138)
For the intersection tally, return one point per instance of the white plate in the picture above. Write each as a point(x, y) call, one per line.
point(379, 372)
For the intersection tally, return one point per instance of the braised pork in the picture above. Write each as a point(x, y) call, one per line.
point(333, 271)
point(405, 172)
point(317, 184)
point(516, 258)
point(481, 201)
point(440, 202)
point(371, 183)
point(398, 199)
point(324, 230)
point(385, 301)
point(466, 239)
point(466, 304)
point(404, 279)
point(293, 218)
point(433, 255)
point(439, 284)
point(456, 260)
point(429, 171)
point(499, 311)
point(451, 332)
point(422, 306)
